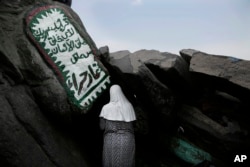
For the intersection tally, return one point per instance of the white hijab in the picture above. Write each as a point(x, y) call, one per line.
point(119, 108)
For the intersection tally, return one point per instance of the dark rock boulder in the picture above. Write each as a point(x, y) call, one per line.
point(229, 68)
point(28, 138)
point(187, 54)
point(224, 73)
point(184, 99)
point(133, 65)
point(39, 124)
point(166, 70)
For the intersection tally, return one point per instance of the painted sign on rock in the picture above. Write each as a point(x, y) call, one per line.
point(69, 54)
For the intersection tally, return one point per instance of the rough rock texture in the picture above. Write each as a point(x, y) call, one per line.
point(232, 69)
point(187, 54)
point(37, 122)
point(28, 138)
point(191, 109)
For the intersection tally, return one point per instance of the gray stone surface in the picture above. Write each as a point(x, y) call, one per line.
point(188, 96)
point(104, 53)
point(187, 54)
point(122, 61)
point(18, 147)
point(35, 110)
point(232, 69)
point(131, 62)
point(195, 117)
point(136, 64)
point(160, 95)
point(28, 138)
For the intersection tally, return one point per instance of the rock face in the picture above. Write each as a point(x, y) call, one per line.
point(232, 69)
point(28, 138)
point(37, 119)
point(191, 109)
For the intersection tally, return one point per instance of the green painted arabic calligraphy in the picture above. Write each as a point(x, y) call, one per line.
point(83, 77)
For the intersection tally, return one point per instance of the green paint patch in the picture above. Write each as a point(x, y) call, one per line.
point(69, 54)
point(188, 152)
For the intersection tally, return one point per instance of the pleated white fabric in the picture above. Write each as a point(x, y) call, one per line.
point(119, 108)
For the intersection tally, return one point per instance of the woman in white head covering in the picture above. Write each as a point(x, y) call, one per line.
point(117, 121)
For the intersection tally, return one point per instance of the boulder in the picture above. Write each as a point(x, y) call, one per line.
point(187, 54)
point(231, 69)
point(161, 69)
point(39, 122)
point(28, 138)
point(163, 60)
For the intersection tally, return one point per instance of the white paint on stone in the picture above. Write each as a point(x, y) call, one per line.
point(73, 56)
